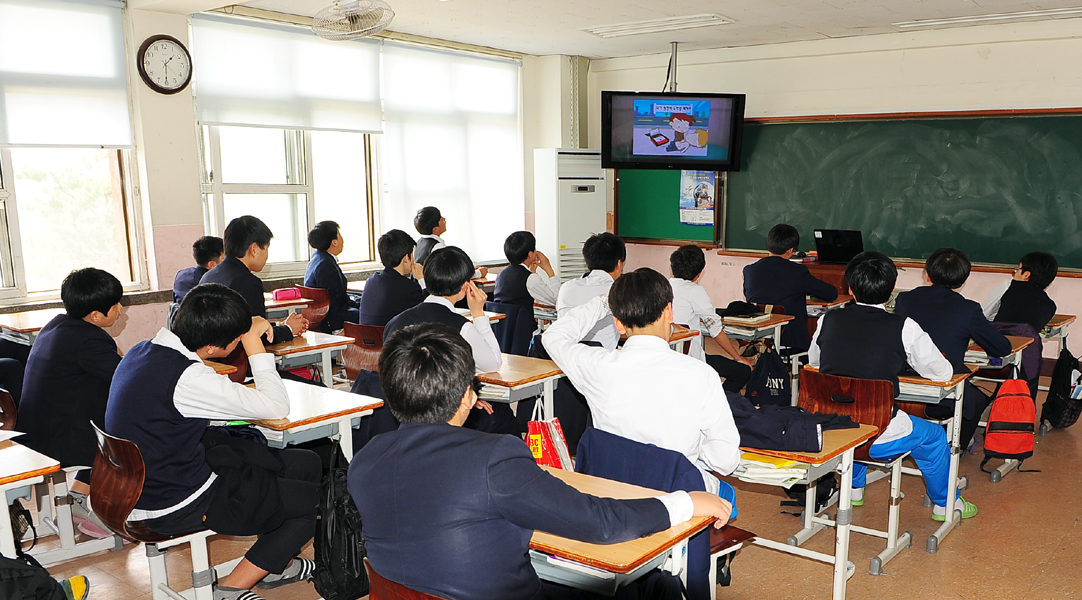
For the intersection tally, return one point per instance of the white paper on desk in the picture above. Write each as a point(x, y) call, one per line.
point(7, 435)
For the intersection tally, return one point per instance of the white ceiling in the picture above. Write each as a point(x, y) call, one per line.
point(556, 26)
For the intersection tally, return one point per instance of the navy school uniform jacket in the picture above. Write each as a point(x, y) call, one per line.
point(185, 280)
point(449, 511)
point(65, 387)
point(323, 272)
point(235, 275)
point(386, 295)
point(774, 280)
point(951, 321)
point(1025, 302)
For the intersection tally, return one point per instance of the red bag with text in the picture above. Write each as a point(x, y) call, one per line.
point(547, 443)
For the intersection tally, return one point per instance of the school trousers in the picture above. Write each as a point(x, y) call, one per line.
point(736, 374)
point(298, 493)
point(927, 444)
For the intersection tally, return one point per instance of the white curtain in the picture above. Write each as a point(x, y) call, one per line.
point(267, 75)
point(63, 79)
point(452, 140)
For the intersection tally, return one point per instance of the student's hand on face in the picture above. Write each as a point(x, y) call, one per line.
point(418, 271)
point(545, 264)
point(485, 406)
point(297, 324)
point(710, 505)
point(475, 299)
point(259, 328)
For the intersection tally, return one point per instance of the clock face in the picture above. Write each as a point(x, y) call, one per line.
point(164, 64)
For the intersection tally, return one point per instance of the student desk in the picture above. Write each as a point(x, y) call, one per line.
point(975, 355)
point(356, 287)
point(19, 466)
point(492, 316)
point(317, 412)
point(1057, 328)
point(23, 327)
point(219, 368)
point(524, 377)
point(837, 455)
point(545, 314)
point(282, 308)
point(817, 307)
point(311, 347)
point(768, 328)
point(683, 335)
point(604, 568)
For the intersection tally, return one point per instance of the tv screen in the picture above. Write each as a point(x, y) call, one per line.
point(671, 131)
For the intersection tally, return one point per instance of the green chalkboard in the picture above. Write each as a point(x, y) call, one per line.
point(996, 188)
point(648, 206)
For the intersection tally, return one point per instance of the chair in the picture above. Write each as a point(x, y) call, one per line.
point(364, 353)
point(381, 588)
point(239, 359)
point(8, 412)
point(868, 402)
point(316, 311)
point(115, 486)
point(515, 331)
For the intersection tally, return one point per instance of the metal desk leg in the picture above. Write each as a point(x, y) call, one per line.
point(954, 442)
point(345, 440)
point(845, 517)
point(328, 369)
point(549, 407)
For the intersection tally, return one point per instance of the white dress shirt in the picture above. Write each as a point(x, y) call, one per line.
point(991, 304)
point(487, 356)
point(543, 288)
point(203, 394)
point(580, 291)
point(648, 393)
point(691, 306)
point(920, 352)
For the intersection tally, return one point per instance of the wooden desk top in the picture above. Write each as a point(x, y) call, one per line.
point(314, 403)
point(1060, 320)
point(835, 441)
point(221, 369)
point(272, 304)
point(17, 463)
point(618, 558)
point(308, 341)
point(520, 370)
point(492, 316)
point(681, 332)
point(544, 306)
point(30, 321)
point(917, 380)
point(842, 299)
point(1017, 344)
point(772, 321)
point(356, 286)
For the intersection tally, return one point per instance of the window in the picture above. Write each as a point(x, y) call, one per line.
point(290, 179)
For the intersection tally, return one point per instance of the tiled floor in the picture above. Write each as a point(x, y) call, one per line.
point(1026, 543)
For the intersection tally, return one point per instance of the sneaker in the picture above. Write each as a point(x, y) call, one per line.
point(85, 520)
point(968, 509)
point(857, 497)
point(76, 588)
point(299, 569)
point(227, 593)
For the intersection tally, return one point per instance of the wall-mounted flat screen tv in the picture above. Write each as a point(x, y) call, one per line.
point(671, 131)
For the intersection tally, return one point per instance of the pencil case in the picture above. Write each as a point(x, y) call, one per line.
point(286, 294)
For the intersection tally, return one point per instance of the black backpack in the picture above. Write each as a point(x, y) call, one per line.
point(769, 382)
point(1060, 410)
point(339, 541)
point(24, 579)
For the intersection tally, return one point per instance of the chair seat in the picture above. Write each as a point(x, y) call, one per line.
point(727, 537)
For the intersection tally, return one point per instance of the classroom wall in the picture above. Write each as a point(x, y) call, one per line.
point(546, 114)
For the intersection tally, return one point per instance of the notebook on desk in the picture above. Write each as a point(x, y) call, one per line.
point(837, 246)
point(752, 319)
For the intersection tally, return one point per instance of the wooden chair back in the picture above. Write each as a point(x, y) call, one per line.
point(316, 311)
point(365, 350)
point(381, 588)
point(116, 484)
point(239, 359)
point(8, 412)
point(866, 401)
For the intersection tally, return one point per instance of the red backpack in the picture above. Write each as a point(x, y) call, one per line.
point(1010, 423)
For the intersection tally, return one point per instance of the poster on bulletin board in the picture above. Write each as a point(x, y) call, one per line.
point(697, 197)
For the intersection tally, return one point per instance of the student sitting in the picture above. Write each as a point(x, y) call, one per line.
point(323, 272)
point(776, 280)
point(951, 321)
point(691, 306)
point(208, 251)
point(474, 499)
point(66, 385)
point(520, 283)
point(605, 254)
point(431, 225)
point(162, 399)
point(867, 342)
point(447, 272)
point(644, 391)
point(1023, 299)
point(247, 243)
point(395, 288)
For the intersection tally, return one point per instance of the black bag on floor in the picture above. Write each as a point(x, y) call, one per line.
point(1060, 410)
point(24, 579)
point(769, 383)
point(339, 541)
point(824, 489)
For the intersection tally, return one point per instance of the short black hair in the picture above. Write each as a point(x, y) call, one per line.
point(206, 249)
point(424, 370)
point(781, 238)
point(87, 290)
point(518, 246)
point(871, 277)
point(446, 269)
point(638, 298)
point(244, 231)
point(211, 314)
point(1042, 268)
point(322, 235)
point(603, 251)
point(427, 219)
point(686, 262)
point(394, 246)
point(948, 267)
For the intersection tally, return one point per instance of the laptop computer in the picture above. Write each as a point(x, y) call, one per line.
point(837, 246)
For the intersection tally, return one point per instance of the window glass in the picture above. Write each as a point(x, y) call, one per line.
point(286, 216)
point(257, 155)
point(340, 188)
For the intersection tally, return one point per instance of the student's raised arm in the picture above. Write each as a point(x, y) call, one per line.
point(487, 356)
point(578, 361)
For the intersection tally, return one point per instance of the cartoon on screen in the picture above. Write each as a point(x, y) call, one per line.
point(665, 127)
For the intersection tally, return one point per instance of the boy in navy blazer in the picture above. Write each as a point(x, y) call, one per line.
point(472, 500)
point(775, 280)
point(208, 251)
point(951, 320)
point(323, 272)
point(1023, 299)
point(395, 288)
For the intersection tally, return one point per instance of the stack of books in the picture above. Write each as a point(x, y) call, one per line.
point(758, 468)
point(752, 319)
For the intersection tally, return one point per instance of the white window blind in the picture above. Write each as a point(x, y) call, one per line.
point(63, 80)
point(267, 75)
point(452, 140)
